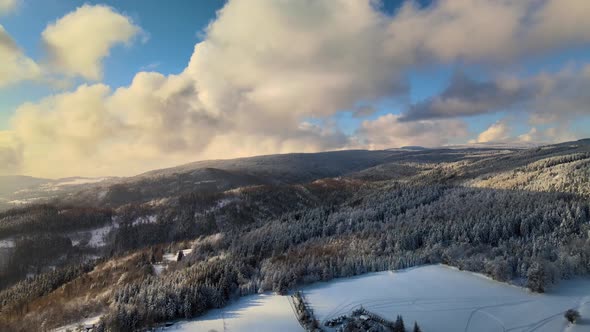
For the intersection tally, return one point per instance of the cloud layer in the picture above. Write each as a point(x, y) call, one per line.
point(269, 76)
point(548, 97)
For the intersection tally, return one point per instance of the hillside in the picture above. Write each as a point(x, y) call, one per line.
point(272, 223)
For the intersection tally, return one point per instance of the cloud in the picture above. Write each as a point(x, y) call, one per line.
point(465, 97)
point(265, 67)
point(15, 66)
point(8, 6)
point(388, 131)
point(10, 153)
point(488, 31)
point(497, 132)
point(78, 42)
point(547, 97)
point(156, 121)
point(363, 111)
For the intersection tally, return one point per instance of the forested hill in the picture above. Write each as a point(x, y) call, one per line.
point(218, 176)
point(275, 222)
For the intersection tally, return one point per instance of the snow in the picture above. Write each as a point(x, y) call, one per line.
point(7, 243)
point(23, 201)
point(97, 236)
point(263, 312)
point(145, 220)
point(159, 268)
point(77, 181)
point(437, 297)
point(73, 327)
point(171, 257)
point(444, 299)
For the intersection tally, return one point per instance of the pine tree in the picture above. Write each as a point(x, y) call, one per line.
point(416, 327)
point(537, 278)
point(399, 326)
point(572, 315)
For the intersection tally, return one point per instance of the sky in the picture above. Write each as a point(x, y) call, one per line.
point(116, 88)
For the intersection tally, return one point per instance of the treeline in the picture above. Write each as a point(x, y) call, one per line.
point(16, 299)
point(33, 254)
point(36, 219)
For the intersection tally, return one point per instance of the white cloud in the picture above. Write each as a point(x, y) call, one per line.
point(156, 121)
point(14, 65)
point(388, 131)
point(497, 132)
point(8, 6)
point(559, 133)
point(78, 42)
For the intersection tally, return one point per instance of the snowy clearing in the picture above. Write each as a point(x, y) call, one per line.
point(75, 181)
point(145, 220)
point(7, 243)
point(171, 257)
point(438, 297)
point(87, 322)
point(97, 236)
point(263, 312)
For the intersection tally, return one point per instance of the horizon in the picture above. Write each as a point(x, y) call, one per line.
point(117, 88)
point(474, 145)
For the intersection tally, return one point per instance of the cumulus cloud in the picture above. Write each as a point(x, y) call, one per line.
point(15, 66)
point(265, 67)
point(156, 121)
point(78, 42)
point(388, 131)
point(7, 6)
point(497, 132)
point(558, 133)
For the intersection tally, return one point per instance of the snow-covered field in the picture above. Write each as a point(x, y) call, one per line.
point(438, 297)
point(264, 312)
point(96, 237)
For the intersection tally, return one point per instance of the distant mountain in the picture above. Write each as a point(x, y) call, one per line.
point(497, 145)
point(413, 147)
point(214, 176)
point(19, 190)
point(12, 183)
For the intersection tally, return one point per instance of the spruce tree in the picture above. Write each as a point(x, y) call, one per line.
point(416, 327)
point(399, 325)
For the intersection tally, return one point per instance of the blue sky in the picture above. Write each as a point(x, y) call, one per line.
point(504, 97)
